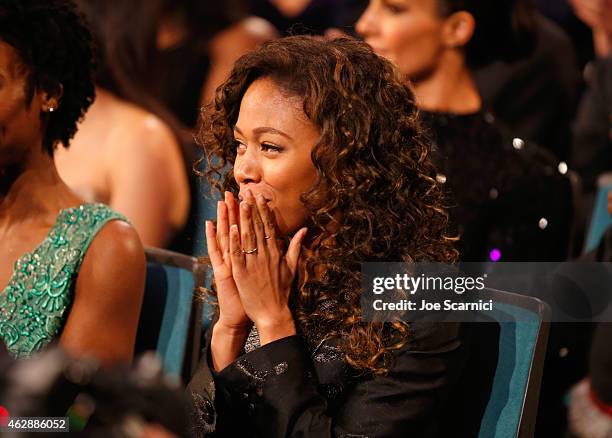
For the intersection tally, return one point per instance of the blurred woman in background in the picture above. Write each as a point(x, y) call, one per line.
point(127, 152)
point(512, 198)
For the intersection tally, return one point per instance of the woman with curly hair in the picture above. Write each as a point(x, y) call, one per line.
point(69, 271)
point(323, 144)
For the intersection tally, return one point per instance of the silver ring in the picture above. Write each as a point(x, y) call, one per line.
point(266, 237)
point(249, 251)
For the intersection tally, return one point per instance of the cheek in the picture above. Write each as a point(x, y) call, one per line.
point(288, 187)
point(16, 122)
point(416, 47)
point(291, 174)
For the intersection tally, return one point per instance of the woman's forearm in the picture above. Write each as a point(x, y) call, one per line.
point(276, 330)
point(226, 345)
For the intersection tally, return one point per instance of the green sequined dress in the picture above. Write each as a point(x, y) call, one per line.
point(35, 304)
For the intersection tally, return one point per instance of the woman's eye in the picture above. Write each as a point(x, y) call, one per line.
point(239, 146)
point(267, 147)
point(393, 8)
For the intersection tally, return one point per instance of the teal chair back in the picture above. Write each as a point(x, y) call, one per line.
point(523, 333)
point(171, 313)
point(207, 210)
point(600, 219)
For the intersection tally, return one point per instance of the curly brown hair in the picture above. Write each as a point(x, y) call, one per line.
point(376, 197)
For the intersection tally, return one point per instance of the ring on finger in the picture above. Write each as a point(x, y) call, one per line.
point(249, 251)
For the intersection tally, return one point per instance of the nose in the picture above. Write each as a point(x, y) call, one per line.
point(247, 168)
point(365, 26)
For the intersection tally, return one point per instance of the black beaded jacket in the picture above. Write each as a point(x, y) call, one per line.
point(509, 200)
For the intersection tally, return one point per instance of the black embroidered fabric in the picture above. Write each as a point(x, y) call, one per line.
point(505, 193)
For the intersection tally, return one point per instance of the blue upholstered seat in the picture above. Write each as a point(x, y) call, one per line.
point(170, 316)
point(600, 219)
point(523, 333)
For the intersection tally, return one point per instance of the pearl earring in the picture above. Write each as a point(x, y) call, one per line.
point(51, 109)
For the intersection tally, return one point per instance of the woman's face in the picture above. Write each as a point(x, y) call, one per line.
point(409, 33)
point(274, 139)
point(20, 124)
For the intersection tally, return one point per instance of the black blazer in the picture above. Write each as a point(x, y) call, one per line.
point(286, 388)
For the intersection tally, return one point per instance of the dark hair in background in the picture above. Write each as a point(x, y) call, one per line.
point(376, 197)
point(505, 29)
point(202, 19)
point(125, 36)
point(125, 40)
point(55, 47)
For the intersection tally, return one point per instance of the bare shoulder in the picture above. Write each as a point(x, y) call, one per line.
point(117, 237)
point(116, 253)
point(147, 175)
point(149, 149)
point(144, 141)
point(108, 296)
point(143, 131)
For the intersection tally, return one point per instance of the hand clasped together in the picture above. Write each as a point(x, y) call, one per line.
point(253, 274)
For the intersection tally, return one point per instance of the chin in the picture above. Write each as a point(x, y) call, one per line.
point(287, 230)
point(281, 226)
point(288, 226)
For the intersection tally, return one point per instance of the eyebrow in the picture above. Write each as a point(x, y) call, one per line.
point(264, 130)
